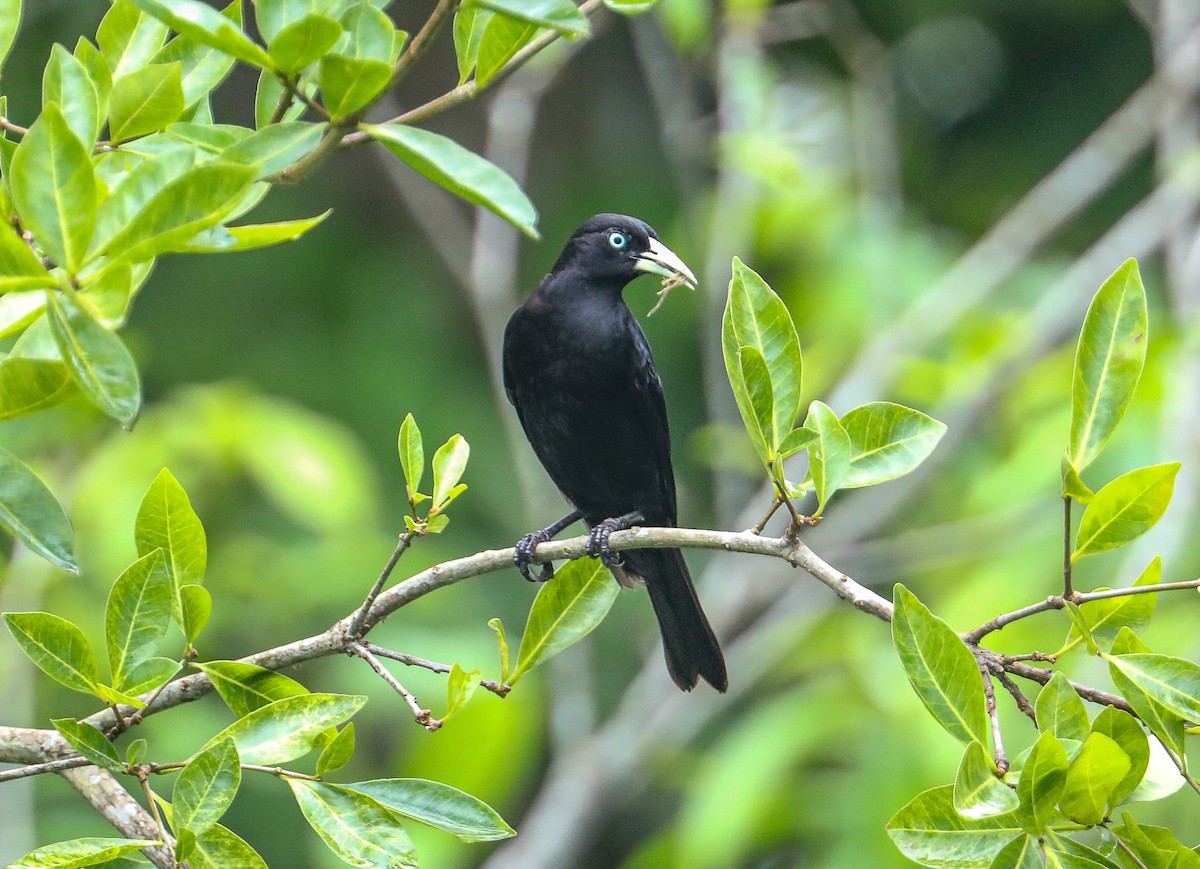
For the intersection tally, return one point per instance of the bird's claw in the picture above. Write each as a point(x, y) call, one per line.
point(524, 553)
point(597, 543)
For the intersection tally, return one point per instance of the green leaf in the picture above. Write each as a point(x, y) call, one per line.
point(502, 38)
point(354, 826)
point(89, 742)
point(1059, 860)
point(150, 674)
point(197, 609)
point(463, 173)
point(1065, 845)
point(146, 100)
point(107, 296)
point(1021, 853)
point(561, 15)
point(203, 66)
point(1156, 846)
point(798, 440)
point(1060, 710)
point(337, 753)
point(221, 849)
point(1072, 485)
point(412, 455)
point(98, 359)
point(201, 198)
point(459, 688)
point(940, 667)
point(167, 522)
point(136, 753)
point(1123, 729)
point(54, 188)
point(18, 311)
point(1042, 781)
point(1163, 723)
point(78, 853)
point(751, 384)
point(30, 512)
point(112, 697)
point(136, 189)
point(205, 788)
point(1172, 682)
point(469, 24)
point(438, 805)
point(756, 317)
point(57, 647)
point(287, 728)
point(10, 22)
point(350, 83)
point(1125, 509)
point(565, 611)
point(498, 626)
point(1093, 776)
point(128, 37)
point(137, 615)
point(233, 239)
point(370, 34)
point(1108, 363)
point(66, 83)
point(267, 98)
point(828, 455)
point(275, 147)
point(20, 268)
point(977, 791)
point(930, 832)
point(887, 441)
point(1107, 616)
point(99, 73)
point(303, 42)
point(26, 387)
point(246, 687)
point(449, 462)
point(201, 23)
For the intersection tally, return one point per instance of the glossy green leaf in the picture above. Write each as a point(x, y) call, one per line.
point(1107, 616)
point(445, 162)
point(798, 440)
point(137, 615)
point(1021, 853)
point(20, 268)
point(338, 752)
point(134, 191)
point(1061, 860)
point(89, 742)
point(502, 38)
point(234, 239)
point(30, 512)
point(1043, 778)
point(10, 22)
point(1072, 485)
point(78, 853)
point(930, 832)
point(469, 24)
point(53, 187)
point(201, 198)
point(136, 753)
point(1125, 509)
point(940, 668)
point(167, 522)
point(561, 15)
point(66, 82)
point(205, 788)
point(370, 34)
point(829, 453)
point(19, 310)
point(1123, 729)
point(220, 848)
point(1092, 778)
point(201, 23)
point(246, 687)
point(354, 826)
point(460, 685)
point(288, 728)
point(99, 73)
point(412, 455)
point(438, 805)
point(1163, 723)
point(150, 674)
point(887, 441)
point(203, 66)
point(145, 100)
point(1108, 363)
point(1062, 844)
point(57, 647)
point(751, 384)
point(276, 146)
point(977, 791)
point(303, 42)
point(350, 83)
point(129, 37)
point(1173, 682)
point(28, 386)
point(449, 463)
point(107, 296)
point(112, 697)
point(98, 359)
point(502, 641)
point(268, 95)
point(1156, 846)
point(1061, 711)
point(197, 609)
point(565, 611)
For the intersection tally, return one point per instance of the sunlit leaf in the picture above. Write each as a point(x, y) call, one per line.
point(502, 641)
point(438, 805)
point(67, 83)
point(338, 752)
point(233, 239)
point(1107, 616)
point(1021, 853)
point(1125, 509)
point(202, 66)
point(246, 687)
point(829, 453)
point(288, 728)
point(1163, 723)
point(561, 15)
point(150, 674)
point(977, 790)
point(350, 83)
point(502, 38)
point(129, 37)
point(57, 647)
point(303, 42)
point(197, 609)
point(30, 512)
point(220, 848)
point(412, 455)
point(751, 384)
point(1043, 778)
point(20, 268)
point(167, 522)
point(10, 21)
point(205, 788)
point(89, 742)
point(354, 826)
point(565, 610)
point(78, 853)
point(1123, 729)
point(887, 441)
point(99, 73)
point(1061, 711)
point(1173, 682)
point(276, 146)
point(449, 463)
point(145, 100)
point(460, 685)
point(370, 34)
point(469, 24)
point(200, 22)
point(1092, 778)
point(137, 615)
point(28, 386)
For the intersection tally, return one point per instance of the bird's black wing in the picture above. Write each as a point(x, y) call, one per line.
point(651, 409)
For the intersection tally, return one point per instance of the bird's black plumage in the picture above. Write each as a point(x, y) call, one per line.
point(578, 370)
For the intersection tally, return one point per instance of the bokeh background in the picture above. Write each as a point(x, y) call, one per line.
point(935, 188)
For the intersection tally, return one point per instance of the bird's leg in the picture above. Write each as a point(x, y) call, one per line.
point(526, 548)
point(597, 544)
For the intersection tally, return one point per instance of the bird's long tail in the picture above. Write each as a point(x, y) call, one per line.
point(689, 644)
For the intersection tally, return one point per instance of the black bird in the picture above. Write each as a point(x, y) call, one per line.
point(579, 372)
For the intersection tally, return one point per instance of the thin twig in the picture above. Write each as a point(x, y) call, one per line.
point(1129, 852)
point(1017, 694)
point(1068, 588)
point(63, 763)
point(419, 43)
point(423, 716)
point(498, 688)
point(6, 124)
point(989, 694)
point(360, 618)
point(162, 829)
point(163, 768)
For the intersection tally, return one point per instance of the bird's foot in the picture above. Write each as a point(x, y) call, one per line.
point(597, 542)
point(525, 552)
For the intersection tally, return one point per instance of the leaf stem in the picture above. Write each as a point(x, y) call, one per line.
point(1068, 587)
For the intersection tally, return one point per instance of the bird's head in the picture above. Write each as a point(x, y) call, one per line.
point(614, 249)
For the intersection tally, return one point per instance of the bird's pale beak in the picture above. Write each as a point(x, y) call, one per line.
point(660, 260)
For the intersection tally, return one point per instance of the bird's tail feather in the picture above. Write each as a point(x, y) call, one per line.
point(689, 644)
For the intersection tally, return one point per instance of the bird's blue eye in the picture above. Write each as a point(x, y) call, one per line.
point(617, 240)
